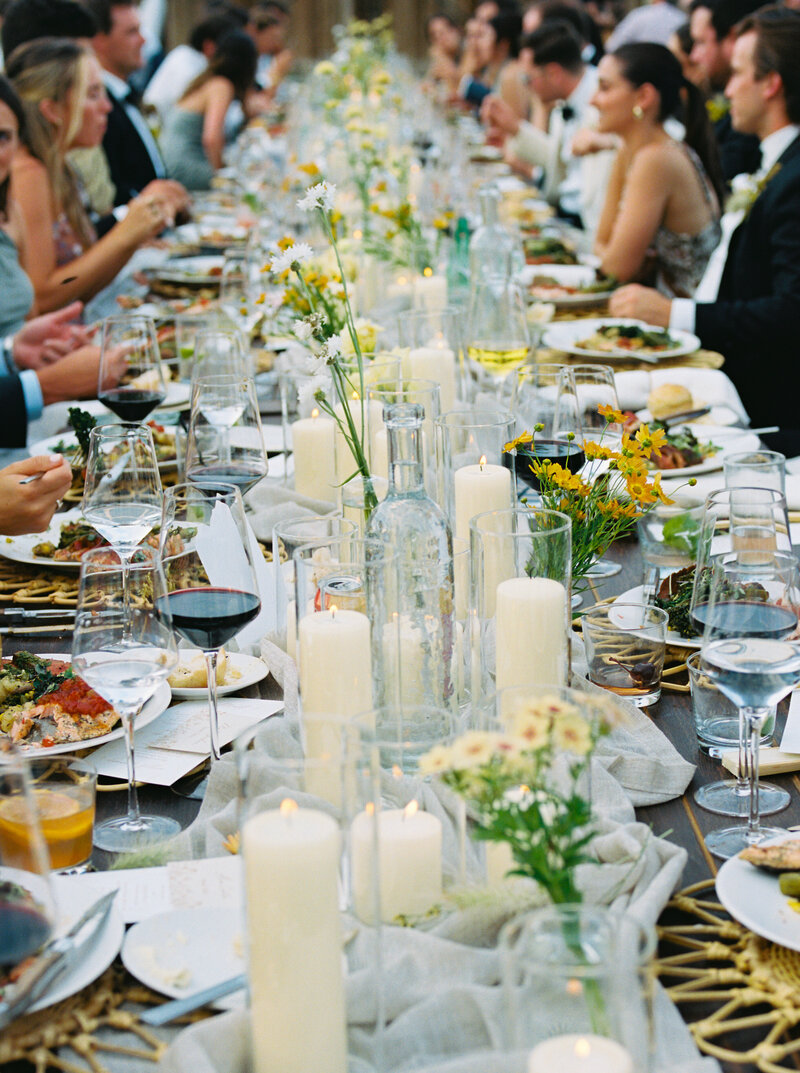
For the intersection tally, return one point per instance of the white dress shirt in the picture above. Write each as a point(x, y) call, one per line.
point(682, 310)
point(120, 89)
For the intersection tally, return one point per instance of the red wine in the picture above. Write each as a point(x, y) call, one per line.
point(242, 474)
point(746, 618)
point(568, 454)
point(24, 929)
point(131, 405)
point(210, 617)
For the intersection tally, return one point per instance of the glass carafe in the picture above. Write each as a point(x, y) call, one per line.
point(498, 336)
point(420, 643)
point(492, 242)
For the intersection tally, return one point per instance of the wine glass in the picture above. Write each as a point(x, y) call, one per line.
point(187, 328)
point(534, 392)
point(122, 489)
point(594, 386)
point(131, 381)
point(225, 442)
point(212, 591)
point(124, 647)
point(27, 911)
point(751, 651)
point(220, 353)
point(753, 522)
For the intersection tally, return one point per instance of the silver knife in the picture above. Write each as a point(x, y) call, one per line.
point(161, 1015)
point(36, 612)
point(56, 957)
point(687, 415)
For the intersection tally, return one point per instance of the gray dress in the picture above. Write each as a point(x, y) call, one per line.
point(181, 144)
point(15, 287)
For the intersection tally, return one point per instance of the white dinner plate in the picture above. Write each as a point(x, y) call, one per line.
point(195, 270)
point(186, 950)
point(156, 706)
point(96, 953)
point(241, 671)
point(564, 336)
point(635, 596)
point(729, 440)
point(20, 548)
point(69, 439)
point(580, 275)
point(717, 415)
point(752, 896)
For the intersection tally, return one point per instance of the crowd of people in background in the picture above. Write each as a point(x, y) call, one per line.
point(635, 124)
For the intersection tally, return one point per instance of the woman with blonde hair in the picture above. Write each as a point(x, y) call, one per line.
point(61, 88)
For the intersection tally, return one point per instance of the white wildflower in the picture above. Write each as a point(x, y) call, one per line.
point(318, 197)
point(294, 255)
point(303, 330)
point(332, 348)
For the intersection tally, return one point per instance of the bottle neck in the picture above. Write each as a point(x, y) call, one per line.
point(405, 459)
point(489, 210)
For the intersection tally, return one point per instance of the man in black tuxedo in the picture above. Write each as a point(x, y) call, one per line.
point(131, 149)
point(747, 305)
point(712, 25)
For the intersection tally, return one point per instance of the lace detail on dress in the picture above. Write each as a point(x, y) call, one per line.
point(680, 260)
point(66, 242)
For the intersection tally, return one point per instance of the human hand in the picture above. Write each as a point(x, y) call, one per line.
point(75, 376)
point(49, 337)
point(641, 303)
point(28, 508)
point(174, 196)
point(147, 216)
point(280, 66)
point(499, 117)
point(587, 141)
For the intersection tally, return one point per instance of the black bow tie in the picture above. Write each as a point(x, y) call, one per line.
point(133, 96)
point(568, 112)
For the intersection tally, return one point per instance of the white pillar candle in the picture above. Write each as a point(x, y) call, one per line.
point(531, 641)
point(409, 862)
point(401, 287)
point(372, 414)
point(430, 291)
point(379, 457)
point(499, 861)
point(314, 465)
point(435, 363)
point(478, 489)
point(297, 1002)
point(291, 629)
point(580, 1054)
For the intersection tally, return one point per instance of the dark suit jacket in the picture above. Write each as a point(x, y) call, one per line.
point(128, 160)
point(755, 320)
point(739, 153)
point(13, 415)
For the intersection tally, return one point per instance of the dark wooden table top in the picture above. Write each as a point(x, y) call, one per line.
point(681, 820)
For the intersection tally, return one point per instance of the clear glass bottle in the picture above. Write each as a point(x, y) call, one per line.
point(498, 333)
point(493, 243)
point(420, 645)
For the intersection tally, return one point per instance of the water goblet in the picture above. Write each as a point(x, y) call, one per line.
point(225, 442)
point(211, 586)
point(123, 646)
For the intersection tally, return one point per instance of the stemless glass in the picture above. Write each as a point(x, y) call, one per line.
point(26, 902)
point(122, 490)
point(225, 443)
point(751, 651)
point(131, 380)
point(124, 647)
point(211, 586)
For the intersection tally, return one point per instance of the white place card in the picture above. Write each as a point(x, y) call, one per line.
point(790, 742)
point(143, 892)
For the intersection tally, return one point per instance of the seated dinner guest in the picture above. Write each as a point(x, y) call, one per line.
point(28, 508)
point(65, 106)
point(747, 305)
point(661, 213)
point(193, 138)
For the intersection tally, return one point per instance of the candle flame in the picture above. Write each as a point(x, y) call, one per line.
point(396, 772)
point(574, 987)
point(315, 412)
point(411, 809)
point(355, 396)
point(369, 808)
point(333, 610)
point(582, 1047)
point(482, 461)
point(427, 272)
point(358, 234)
point(402, 280)
point(525, 789)
point(288, 806)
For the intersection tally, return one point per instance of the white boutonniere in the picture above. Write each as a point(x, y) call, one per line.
point(746, 189)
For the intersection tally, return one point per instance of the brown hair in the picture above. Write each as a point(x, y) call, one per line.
point(777, 31)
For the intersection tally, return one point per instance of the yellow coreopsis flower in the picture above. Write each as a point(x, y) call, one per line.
point(597, 451)
point(614, 417)
point(651, 440)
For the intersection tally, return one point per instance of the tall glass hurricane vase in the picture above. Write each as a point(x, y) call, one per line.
point(125, 653)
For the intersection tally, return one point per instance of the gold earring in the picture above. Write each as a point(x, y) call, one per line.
point(638, 111)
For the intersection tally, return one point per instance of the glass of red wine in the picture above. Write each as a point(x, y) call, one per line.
point(534, 394)
point(751, 652)
point(212, 590)
point(26, 902)
point(131, 380)
point(225, 444)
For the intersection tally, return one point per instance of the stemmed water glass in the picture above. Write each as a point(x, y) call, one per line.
point(751, 651)
point(212, 590)
point(753, 522)
point(225, 443)
point(218, 352)
point(124, 647)
point(131, 380)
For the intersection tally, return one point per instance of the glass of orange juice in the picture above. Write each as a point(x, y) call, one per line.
point(64, 789)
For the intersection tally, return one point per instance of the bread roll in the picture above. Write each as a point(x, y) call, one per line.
point(191, 671)
point(669, 399)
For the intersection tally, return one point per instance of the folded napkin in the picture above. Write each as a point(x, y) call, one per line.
point(269, 503)
point(712, 482)
point(709, 387)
